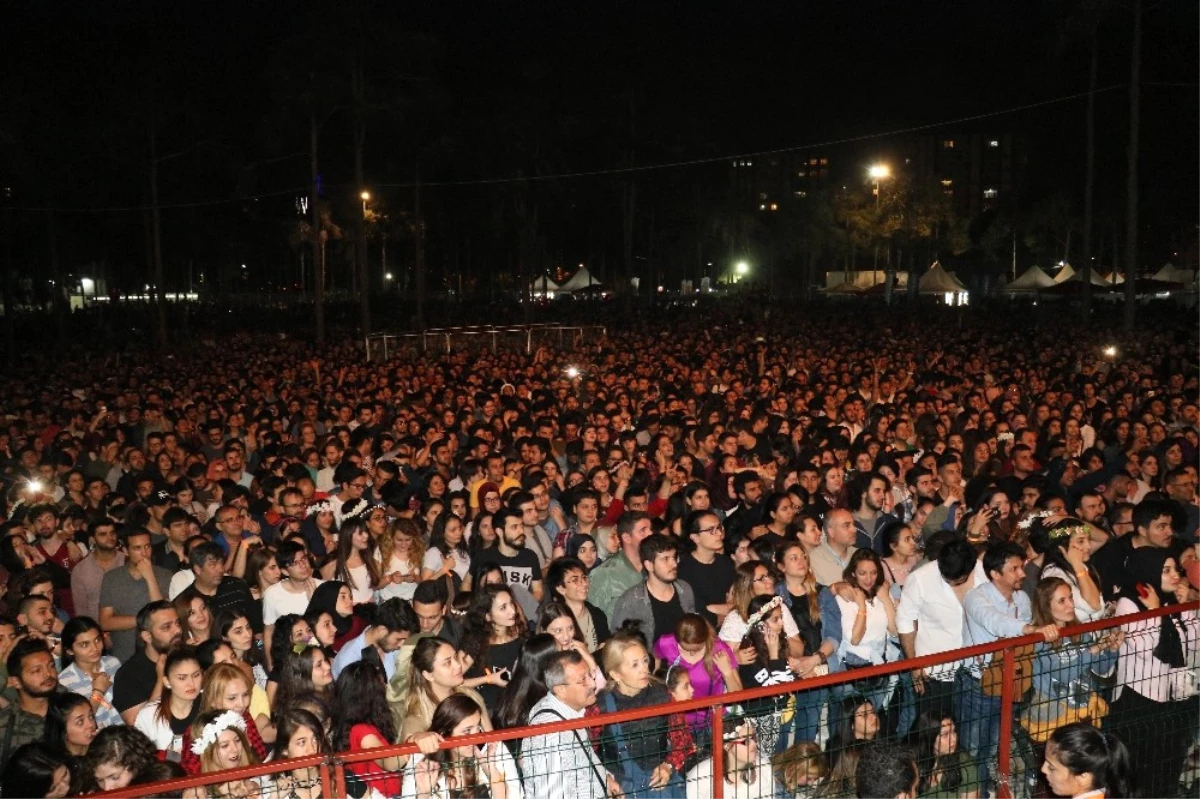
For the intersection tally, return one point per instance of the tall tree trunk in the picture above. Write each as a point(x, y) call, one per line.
point(318, 250)
point(1090, 177)
point(157, 277)
point(1131, 178)
point(360, 249)
point(419, 254)
point(10, 305)
point(628, 211)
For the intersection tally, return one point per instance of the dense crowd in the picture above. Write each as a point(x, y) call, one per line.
point(245, 552)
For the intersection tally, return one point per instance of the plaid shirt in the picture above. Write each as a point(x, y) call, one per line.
point(17, 728)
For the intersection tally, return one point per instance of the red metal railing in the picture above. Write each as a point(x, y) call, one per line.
point(333, 767)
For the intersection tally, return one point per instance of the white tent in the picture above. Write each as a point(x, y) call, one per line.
point(938, 281)
point(1172, 274)
point(1077, 277)
point(580, 280)
point(1066, 273)
point(1033, 279)
point(544, 285)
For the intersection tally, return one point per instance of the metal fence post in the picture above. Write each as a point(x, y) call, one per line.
point(718, 755)
point(1004, 757)
point(327, 786)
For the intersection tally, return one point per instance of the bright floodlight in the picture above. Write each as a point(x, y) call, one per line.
point(1110, 351)
point(742, 267)
point(387, 276)
point(366, 195)
point(572, 372)
point(878, 171)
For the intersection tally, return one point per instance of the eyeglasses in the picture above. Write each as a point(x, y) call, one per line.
point(582, 578)
point(764, 578)
point(716, 528)
point(359, 486)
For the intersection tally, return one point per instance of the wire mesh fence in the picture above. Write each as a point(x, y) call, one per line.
point(976, 720)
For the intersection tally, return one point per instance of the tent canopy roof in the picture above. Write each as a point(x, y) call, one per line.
point(581, 279)
point(938, 281)
point(1031, 279)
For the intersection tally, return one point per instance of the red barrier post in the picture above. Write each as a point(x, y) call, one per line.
point(718, 755)
point(1004, 758)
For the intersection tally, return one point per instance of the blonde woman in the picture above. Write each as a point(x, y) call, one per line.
point(399, 556)
point(225, 687)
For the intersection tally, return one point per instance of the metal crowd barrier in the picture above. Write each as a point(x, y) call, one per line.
point(776, 714)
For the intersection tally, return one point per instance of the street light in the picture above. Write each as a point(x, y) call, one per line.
point(365, 197)
point(877, 173)
point(742, 267)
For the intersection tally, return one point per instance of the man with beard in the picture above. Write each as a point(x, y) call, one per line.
point(125, 591)
point(58, 550)
point(869, 518)
point(88, 574)
point(32, 673)
point(139, 681)
point(519, 565)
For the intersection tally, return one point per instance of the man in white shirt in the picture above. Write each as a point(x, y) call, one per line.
point(929, 619)
point(292, 593)
point(563, 765)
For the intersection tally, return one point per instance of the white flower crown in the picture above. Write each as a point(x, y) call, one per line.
point(1027, 522)
point(227, 720)
point(764, 611)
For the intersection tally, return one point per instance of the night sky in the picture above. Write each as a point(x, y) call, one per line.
point(496, 89)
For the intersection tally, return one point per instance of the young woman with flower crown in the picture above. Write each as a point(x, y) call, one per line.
point(219, 740)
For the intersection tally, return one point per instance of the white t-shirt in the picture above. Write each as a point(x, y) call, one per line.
point(278, 601)
point(402, 590)
point(180, 581)
point(159, 731)
point(434, 561)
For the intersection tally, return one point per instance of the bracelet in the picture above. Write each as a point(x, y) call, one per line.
point(824, 658)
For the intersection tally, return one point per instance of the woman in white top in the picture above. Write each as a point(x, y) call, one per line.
point(399, 558)
point(461, 770)
point(165, 721)
point(867, 621)
point(1065, 542)
point(447, 553)
point(754, 578)
point(354, 562)
point(747, 774)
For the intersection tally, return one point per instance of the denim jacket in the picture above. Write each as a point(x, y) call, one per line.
point(1062, 676)
point(831, 621)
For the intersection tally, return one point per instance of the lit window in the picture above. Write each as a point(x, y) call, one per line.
point(774, 206)
point(947, 182)
point(994, 143)
point(947, 144)
point(762, 207)
point(735, 164)
point(802, 173)
point(801, 194)
point(749, 163)
point(989, 194)
point(812, 162)
point(824, 162)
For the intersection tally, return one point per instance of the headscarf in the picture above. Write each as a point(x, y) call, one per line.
point(1145, 567)
point(578, 540)
point(324, 600)
point(485, 488)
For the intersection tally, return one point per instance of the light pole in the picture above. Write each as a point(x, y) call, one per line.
point(878, 173)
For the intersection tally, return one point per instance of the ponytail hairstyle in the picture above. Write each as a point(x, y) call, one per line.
point(1083, 749)
point(692, 629)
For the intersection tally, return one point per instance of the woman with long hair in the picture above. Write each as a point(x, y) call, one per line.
point(290, 630)
point(770, 666)
point(233, 627)
point(262, 571)
point(194, 617)
point(780, 513)
point(436, 673)
point(41, 773)
point(1066, 550)
point(901, 554)
point(353, 561)
point(118, 756)
point(70, 730)
point(1082, 761)
point(867, 622)
point(481, 533)
point(361, 721)
point(1153, 688)
point(165, 721)
point(653, 769)
point(399, 558)
point(710, 663)
point(334, 597)
point(87, 671)
point(226, 687)
point(447, 555)
point(567, 581)
point(493, 634)
point(526, 686)
point(747, 774)
point(557, 620)
point(221, 745)
point(945, 771)
point(754, 578)
point(304, 670)
point(1063, 670)
point(461, 770)
point(301, 734)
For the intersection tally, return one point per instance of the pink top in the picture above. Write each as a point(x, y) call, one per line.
point(666, 648)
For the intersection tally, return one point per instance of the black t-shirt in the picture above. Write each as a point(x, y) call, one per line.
point(234, 594)
point(134, 682)
point(810, 633)
point(710, 582)
point(521, 569)
point(666, 614)
point(179, 726)
point(502, 658)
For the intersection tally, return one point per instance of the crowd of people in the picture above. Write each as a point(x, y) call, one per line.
point(245, 552)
